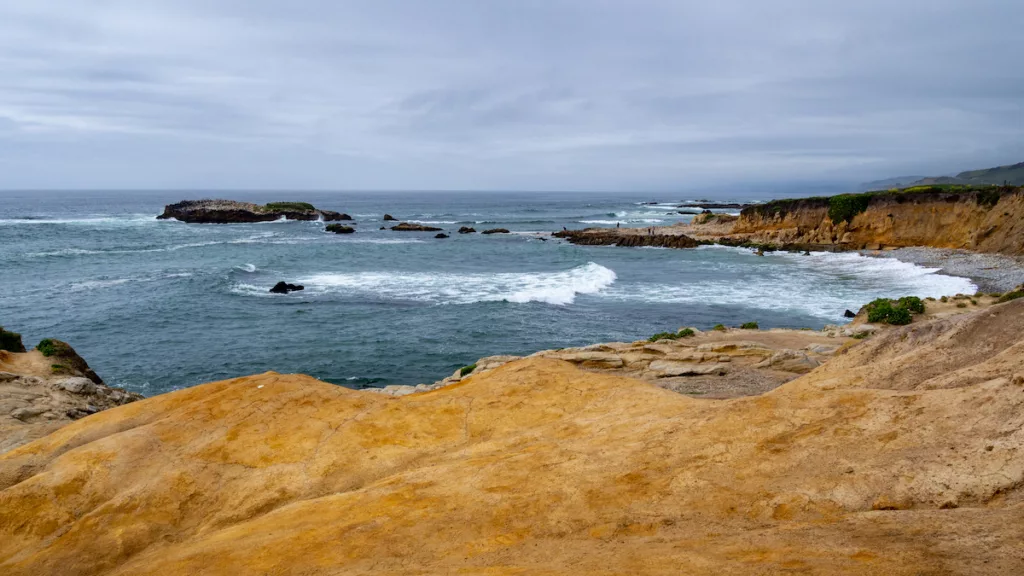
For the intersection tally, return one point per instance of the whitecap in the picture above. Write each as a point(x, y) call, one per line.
point(558, 288)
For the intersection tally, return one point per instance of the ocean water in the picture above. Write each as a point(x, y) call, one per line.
point(161, 305)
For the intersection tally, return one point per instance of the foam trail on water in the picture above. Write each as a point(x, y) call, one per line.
point(558, 288)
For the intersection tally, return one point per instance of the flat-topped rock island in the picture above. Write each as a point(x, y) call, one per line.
point(234, 212)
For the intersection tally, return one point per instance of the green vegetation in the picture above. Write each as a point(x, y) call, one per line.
point(749, 326)
point(844, 207)
point(912, 303)
point(860, 335)
point(48, 347)
point(719, 328)
point(467, 370)
point(683, 333)
point(1019, 293)
point(288, 207)
point(896, 312)
point(10, 341)
point(961, 304)
point(944, 299)
point(59, 369)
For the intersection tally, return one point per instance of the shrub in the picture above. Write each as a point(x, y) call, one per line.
point(663, 336)
point(912, 303)
point(48, 347)
point(844, 207)
point(944, 299)
point(974, 302)
point(10, 341)
point(899, 316)
point(288, 206)
point(686, 333)
point(1011, 296)
point(861, 335)
point(879, 310)
point(719, 327)
point(467, 370)
point(895, 312)
point(749, 326)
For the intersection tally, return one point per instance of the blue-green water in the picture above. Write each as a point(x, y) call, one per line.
point(161, 305)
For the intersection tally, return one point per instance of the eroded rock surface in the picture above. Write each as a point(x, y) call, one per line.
point(902, 455)
point(231, 211)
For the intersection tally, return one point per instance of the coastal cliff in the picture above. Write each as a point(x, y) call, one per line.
point(231, 212)
point(900, 455)
point(980, 219)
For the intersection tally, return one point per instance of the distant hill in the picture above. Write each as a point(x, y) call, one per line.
point(1012, 174)
point(897, 182)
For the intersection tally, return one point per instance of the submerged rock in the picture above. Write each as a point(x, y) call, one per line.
point(496, 231)
point(442, 235)
point(284, 288)
point(339, 229)
point(467, 230)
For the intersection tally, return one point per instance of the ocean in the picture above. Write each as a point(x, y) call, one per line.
point(156, 306)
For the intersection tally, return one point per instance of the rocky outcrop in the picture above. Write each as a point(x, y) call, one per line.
point(496, 231)
point(232, 212)
point(901, 455)
point(467, 230)
point(441, 235)
point(407, 227)
point(284, 288)
point(339, 229)
point(40, 392)
point(980, 219)
point(390, 218)
point(631, 237)
point(10, 341)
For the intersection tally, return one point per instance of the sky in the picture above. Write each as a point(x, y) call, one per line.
point(504, 95)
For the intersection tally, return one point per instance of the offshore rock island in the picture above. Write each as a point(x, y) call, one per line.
point(231, 212)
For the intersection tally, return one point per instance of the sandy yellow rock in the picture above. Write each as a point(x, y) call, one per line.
point(901, 455)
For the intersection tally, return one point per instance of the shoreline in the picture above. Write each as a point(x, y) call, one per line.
point(991, 272)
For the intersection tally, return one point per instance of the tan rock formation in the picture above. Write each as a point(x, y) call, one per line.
point(902, 455)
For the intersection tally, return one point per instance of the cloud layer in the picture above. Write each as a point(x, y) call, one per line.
point(528, 94)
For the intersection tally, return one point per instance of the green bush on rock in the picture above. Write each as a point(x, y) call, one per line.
point(749, 326)
point(683, 333)
point(1019, 293)
point(10, 341)
point(719, 328)
point(467, 370)
point(288, 206)
point(895, 312)
point(844, 207)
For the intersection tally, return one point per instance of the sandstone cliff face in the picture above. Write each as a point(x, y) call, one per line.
point(940, 220)
point(905, 455)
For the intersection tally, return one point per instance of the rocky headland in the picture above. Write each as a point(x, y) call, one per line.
point(901, 453)
point(233, 212)
point(983, 219)
point(47, 387)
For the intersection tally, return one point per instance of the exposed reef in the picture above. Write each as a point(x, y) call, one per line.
point(407, 227)
point(633, 237)
point(339, 229)
point(233, 212)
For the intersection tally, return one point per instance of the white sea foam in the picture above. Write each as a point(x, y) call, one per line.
point(433, 221)
point(247, 268)
point(632, 221)
point(823, 284)
point(104, 221)
point(111, 282)
point(559, 288)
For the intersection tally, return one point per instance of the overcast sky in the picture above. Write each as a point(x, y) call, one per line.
point(503, 94)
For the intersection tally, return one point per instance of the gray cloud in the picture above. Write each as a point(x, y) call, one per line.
point(530, 94)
